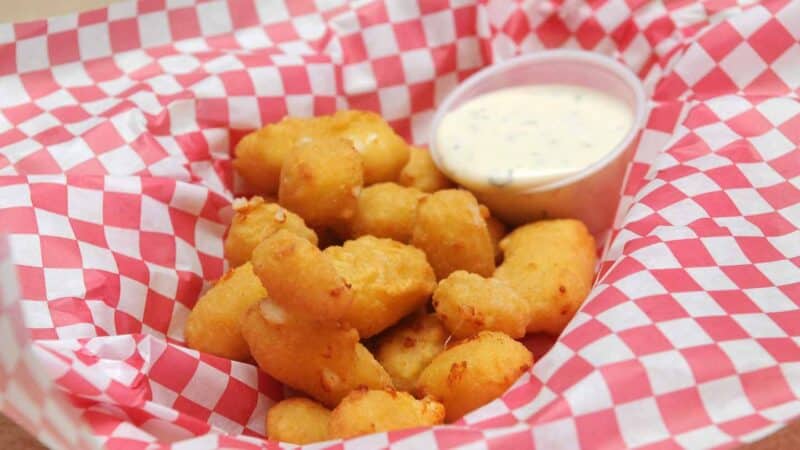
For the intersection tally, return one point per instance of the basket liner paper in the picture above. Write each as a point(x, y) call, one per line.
point(116, 129)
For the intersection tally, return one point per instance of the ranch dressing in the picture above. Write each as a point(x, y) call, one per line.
point(530, 135)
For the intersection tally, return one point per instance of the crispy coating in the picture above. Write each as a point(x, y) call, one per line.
point(259, 155)
point(388, 280)
point(300, 278)
point(386, 210)
point(383, 151)
point(551, 265)
point(420, 172)
point(214, 324)
point(474, 372)
point(497, 231)
point(409, 347)
point(254, 220)
point(468, 303)
point(452, 232)
point(321, 181)
point(322, 359)
point(298, 420)
point(372, 411)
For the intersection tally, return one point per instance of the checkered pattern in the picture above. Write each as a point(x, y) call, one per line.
point(27, 395)
point(115, 133)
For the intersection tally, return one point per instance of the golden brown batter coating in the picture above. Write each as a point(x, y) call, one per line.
point(386, 210)
point(452, 232)
point(468, 303)
point(388, 280)
point(420, 172)
point(298, 420)
point(322, 359)
point(474, 372)
point(383, 151)
point(321, 181)
point(372, 411)
point(254, 221)
point(405, 350)
point(551, 265)
point(214, 324)
point(259, 155)
point(299, 278)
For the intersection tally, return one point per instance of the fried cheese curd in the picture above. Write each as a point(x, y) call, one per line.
point(253, 221)
point(551, 265)
point(259, 155)
point(300, 278)
point(468, 303)
point(384, 152)
point(298, 420)
point(420, 172)
point(321, 181)
point(388, 280)
point(323, 359)
point(386, 210)
point(406, 349)
point(451, 230)
point(474, 372)
point(497, 231)
point(213, 325)
point(366, 411)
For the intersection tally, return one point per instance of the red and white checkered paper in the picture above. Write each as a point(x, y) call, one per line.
point(116, 128)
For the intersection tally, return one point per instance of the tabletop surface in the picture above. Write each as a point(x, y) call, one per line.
point(13, 437)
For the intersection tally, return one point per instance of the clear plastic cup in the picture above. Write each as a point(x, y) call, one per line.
point(591, 194)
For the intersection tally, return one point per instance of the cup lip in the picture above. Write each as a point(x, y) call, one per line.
point(543, 57)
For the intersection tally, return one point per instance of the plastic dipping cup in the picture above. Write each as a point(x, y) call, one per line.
point(590, 194)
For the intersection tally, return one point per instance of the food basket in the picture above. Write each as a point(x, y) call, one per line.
point(116, 129)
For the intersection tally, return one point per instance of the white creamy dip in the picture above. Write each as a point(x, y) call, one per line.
point(530, 135)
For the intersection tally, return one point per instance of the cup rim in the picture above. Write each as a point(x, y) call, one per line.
point(543, 57)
